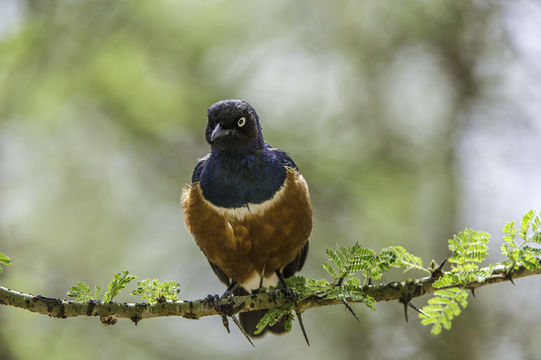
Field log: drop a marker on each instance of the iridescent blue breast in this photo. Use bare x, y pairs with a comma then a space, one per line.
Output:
236, 181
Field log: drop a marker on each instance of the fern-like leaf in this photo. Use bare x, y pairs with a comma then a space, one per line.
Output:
119, 282
443, 308
152, 290
469, 246
398, 257
344, 261
81, 292
272, 316
527, 253
525, 224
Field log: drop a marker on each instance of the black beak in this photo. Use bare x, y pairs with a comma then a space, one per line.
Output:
217, 132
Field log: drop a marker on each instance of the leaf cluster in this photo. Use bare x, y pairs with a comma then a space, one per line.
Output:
469, 248
526, 253
82, 292
344, 262
152, 290
443, 307
273, 316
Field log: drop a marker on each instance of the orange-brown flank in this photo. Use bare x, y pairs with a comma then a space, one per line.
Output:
240, 246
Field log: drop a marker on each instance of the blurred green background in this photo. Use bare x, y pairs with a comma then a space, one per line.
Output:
409, 120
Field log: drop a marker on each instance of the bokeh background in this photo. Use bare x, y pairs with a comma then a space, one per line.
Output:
409, 120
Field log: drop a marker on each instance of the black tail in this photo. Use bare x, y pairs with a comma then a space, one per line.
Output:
250, 319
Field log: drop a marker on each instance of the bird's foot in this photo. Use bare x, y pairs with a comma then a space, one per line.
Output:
288, 293
228, 309
224, 309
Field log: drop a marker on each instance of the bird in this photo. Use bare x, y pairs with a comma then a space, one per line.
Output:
248, 208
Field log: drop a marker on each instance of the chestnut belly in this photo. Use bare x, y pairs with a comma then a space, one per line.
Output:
258, 238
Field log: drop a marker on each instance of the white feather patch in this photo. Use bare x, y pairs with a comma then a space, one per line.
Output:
253, 282
240, 213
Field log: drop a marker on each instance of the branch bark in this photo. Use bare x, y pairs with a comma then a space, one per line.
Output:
109, 312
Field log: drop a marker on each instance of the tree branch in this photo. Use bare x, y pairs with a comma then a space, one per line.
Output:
110, 311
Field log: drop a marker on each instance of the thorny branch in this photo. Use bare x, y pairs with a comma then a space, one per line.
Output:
109, 312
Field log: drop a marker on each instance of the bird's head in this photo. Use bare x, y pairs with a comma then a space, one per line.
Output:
233, 125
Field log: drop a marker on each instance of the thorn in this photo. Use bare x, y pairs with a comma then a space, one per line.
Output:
417, 309
472, 291
437, 272
442, 264
234, 317
405, 309
302, 327
344, 301
225, 322
509, 276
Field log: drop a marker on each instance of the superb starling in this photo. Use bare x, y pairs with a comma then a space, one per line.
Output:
247, 207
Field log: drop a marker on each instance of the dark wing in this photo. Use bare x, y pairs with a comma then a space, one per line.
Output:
284, 157
196, 176
219, 272
198, 168
297, 263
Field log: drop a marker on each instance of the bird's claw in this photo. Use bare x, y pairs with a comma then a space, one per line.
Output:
224, 309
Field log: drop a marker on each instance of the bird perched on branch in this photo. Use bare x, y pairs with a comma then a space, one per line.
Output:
247, 207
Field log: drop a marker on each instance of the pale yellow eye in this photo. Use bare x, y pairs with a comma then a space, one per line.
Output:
241, 121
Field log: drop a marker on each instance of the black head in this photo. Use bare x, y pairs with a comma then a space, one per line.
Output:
233, 125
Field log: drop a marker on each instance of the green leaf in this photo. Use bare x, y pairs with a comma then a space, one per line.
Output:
400, 258
527, 253
510, 231
443, 308
469, 246
4, 260
119, 282
82, 292
344, 261
272, 316
152, 290
525, 224
536, 230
